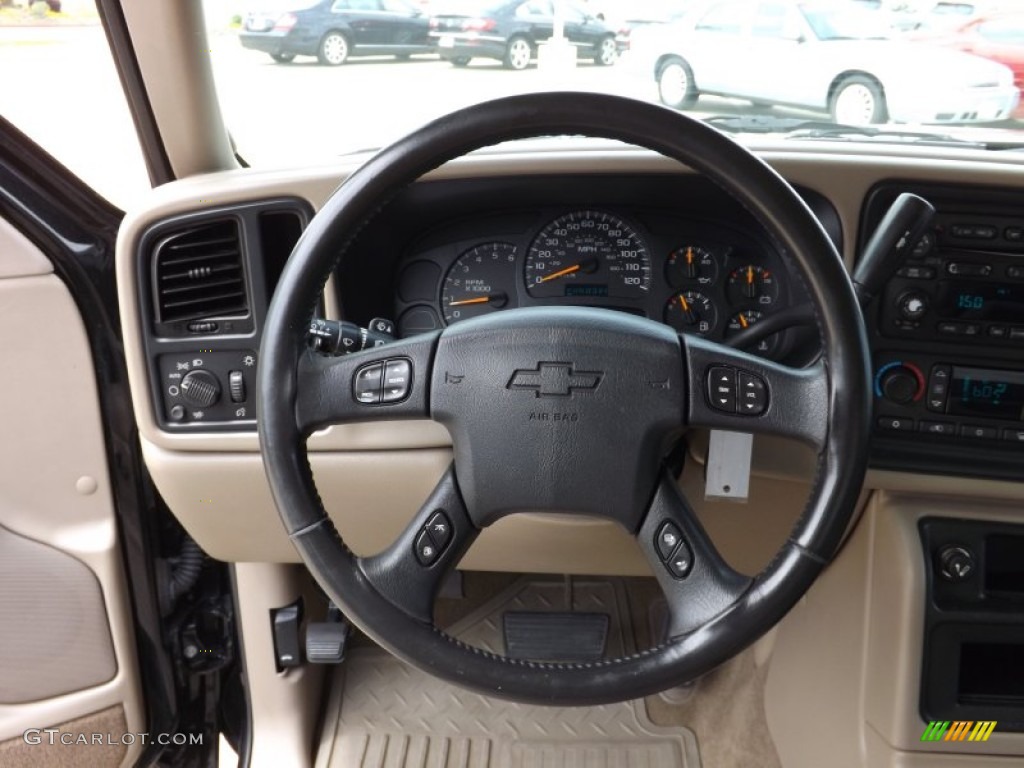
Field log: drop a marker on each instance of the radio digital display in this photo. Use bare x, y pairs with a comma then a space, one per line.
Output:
974, 300
988, 393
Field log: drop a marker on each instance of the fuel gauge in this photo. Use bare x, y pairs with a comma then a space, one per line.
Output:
751, 283
691, 264
743, 320
691, 312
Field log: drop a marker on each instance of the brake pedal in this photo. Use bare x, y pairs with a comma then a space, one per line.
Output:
326, 640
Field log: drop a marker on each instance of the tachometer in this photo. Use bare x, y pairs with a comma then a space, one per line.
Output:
481, 280
588, 254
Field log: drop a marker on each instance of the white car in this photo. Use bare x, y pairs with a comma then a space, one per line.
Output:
826, 56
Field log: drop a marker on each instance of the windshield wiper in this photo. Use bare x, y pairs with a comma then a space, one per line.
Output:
799, 128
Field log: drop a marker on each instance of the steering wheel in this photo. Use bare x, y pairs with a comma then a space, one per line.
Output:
565, 410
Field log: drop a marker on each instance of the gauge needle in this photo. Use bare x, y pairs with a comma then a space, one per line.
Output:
477, 300
686, 308
585, 266
743, 321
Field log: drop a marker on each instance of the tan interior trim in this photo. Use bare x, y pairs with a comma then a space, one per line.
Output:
285, 705
848, 656
49, 750
54, 486
183, 98
20, 257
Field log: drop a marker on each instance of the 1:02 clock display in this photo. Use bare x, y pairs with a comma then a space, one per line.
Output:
987, 393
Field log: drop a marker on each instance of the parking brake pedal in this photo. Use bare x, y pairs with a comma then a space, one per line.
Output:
326, 640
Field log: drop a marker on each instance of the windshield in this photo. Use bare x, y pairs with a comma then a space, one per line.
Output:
301, 81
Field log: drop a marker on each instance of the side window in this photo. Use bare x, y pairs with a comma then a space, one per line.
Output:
533, 9
340, 5
364, 5
725, 18
396, 6
770, 20
61, 89
1002, 32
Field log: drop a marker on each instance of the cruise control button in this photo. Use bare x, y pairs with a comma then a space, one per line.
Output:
895, 424
425, 548
667, 540
681, 562
366, 386
440, 530
753, 394
397, 378
722, 388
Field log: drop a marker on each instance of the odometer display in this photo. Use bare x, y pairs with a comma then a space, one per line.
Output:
588, 253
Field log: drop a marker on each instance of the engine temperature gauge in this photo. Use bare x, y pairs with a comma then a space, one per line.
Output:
691, 312
691, 264
743, 320
752, 284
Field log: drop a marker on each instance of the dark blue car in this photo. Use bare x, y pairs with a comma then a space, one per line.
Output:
510, 30
334, 30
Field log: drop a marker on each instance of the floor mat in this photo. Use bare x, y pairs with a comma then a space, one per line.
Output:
384, 714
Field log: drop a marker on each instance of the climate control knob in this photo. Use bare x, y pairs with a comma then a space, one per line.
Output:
899, 383
899, 386
200, 388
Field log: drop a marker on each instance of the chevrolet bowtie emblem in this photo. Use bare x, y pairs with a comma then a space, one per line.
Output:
555, 380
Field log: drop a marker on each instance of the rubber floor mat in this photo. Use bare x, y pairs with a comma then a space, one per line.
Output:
385, 714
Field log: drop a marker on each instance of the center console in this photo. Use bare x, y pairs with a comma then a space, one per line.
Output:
947, 336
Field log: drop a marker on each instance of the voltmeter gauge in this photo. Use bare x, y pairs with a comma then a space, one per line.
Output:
751, 284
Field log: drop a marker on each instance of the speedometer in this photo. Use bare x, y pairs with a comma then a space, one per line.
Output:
588, 254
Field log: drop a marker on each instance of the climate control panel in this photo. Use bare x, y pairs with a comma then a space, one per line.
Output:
930, 396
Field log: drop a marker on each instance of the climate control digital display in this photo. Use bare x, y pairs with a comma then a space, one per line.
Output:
987, 392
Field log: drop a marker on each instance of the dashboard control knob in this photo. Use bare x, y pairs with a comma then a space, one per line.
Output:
200, 388
956, 563
900, 385
913, 305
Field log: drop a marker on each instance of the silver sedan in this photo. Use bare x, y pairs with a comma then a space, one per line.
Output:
827, 56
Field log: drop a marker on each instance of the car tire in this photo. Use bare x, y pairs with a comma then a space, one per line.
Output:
676, 88
858, 100
334, 49
518, 53
607, 52
460, 61
283, 58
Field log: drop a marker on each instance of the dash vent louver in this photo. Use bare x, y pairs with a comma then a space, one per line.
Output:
199, 274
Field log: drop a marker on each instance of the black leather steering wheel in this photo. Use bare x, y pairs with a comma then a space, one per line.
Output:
615, 390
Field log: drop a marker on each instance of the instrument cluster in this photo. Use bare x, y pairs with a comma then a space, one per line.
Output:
699, 276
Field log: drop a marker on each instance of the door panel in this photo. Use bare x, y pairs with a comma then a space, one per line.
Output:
67, 650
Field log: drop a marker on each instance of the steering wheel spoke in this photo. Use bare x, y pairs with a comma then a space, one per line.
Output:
697, 581
409, 572
383, 383
734, 390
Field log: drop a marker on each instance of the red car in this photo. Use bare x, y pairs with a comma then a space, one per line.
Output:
997, 37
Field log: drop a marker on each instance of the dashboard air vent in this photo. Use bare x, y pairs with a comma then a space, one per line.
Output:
198, 273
